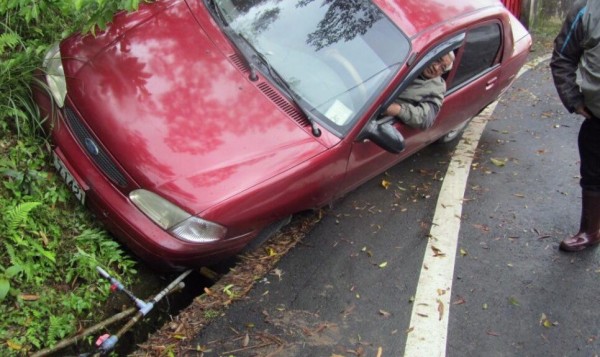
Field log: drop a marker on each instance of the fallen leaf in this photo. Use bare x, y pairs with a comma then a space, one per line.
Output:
513, 301
14, 346
440, 310
227, 290
437, 252
29, 297
485, 306
463, 252
200, 348
498, 162
44, 239
385, 184
384, 313
544, 321
383, 265
492, 333
277, 272
379, 351
459, 301
482, 227
246, 341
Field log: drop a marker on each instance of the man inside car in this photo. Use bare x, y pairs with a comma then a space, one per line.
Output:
418, 105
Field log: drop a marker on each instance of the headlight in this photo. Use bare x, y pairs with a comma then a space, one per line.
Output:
174, 220
55, 75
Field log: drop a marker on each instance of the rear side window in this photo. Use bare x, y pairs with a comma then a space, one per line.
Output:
481, 48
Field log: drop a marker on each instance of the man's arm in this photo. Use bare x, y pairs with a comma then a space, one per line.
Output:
565, 59
420, 103
420, 115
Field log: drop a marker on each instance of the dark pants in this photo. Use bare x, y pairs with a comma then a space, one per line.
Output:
589, 152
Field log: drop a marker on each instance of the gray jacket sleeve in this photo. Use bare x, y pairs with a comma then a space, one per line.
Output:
421, 102
420, 115
566, 55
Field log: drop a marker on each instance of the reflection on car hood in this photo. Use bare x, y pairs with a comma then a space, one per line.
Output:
175, 112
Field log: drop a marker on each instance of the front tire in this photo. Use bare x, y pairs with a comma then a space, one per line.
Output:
454, 133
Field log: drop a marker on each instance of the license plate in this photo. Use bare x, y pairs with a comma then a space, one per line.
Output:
69, 179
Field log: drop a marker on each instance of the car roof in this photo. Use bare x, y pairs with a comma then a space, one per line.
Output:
415, 16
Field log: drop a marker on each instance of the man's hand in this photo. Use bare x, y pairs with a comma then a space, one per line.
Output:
583, 111
393, 109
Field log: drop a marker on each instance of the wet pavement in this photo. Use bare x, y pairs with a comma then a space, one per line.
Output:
348, 289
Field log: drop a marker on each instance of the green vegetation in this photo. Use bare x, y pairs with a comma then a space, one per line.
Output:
49, 245
544, 32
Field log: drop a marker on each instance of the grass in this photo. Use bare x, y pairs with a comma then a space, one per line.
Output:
49, 244
543, 34
49, 287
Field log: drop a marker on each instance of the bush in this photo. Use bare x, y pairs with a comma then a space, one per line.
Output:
50, 246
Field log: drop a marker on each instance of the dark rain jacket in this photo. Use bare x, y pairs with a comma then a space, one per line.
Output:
577, 46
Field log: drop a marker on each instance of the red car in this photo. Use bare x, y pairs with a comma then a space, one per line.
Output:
191, 126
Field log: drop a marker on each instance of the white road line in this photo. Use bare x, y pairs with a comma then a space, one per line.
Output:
428, 329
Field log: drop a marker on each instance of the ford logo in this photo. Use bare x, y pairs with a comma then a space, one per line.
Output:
91, 147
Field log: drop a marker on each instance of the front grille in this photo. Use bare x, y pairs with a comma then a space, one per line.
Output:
100, 157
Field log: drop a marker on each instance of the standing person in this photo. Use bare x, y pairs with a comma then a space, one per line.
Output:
418, 105
577, 46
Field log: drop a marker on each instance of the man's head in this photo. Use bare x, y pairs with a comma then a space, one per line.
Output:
440, 66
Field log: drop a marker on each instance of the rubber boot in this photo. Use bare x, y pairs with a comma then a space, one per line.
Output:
589, 229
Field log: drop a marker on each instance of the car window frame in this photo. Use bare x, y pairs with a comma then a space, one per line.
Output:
461, 50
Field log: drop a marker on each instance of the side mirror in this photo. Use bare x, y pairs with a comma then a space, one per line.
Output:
385, 135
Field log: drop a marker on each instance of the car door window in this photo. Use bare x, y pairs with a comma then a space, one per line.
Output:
481, 48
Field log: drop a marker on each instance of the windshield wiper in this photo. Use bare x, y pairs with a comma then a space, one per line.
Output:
296, 99
235, 38
234, 35
300, 103
218, 11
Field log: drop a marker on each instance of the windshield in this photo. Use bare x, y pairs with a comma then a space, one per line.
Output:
334, 54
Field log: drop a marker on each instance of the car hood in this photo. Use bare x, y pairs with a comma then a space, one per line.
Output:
175, 111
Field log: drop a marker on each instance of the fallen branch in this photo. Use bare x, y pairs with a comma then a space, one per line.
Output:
80, 336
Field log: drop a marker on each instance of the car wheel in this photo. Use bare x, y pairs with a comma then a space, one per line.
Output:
454, 133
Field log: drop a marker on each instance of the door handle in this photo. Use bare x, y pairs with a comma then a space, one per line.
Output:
490, 84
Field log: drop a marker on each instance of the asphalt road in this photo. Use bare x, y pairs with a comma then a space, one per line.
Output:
383, 274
